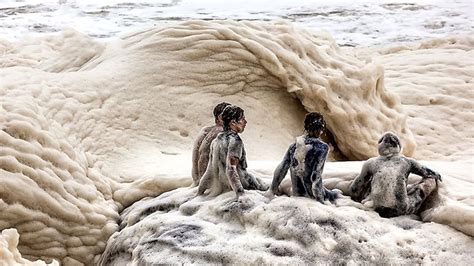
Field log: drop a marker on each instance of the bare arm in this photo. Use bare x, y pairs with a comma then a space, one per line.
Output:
234, 154
361, 184
282, 169
423, 171
233, 176
195, 157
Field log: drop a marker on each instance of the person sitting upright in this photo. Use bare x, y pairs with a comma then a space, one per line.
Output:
202, 144
227, 168
305, 158
384, 180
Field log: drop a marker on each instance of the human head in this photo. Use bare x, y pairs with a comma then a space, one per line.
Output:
218, 112
389, 144
233, 117
314, 123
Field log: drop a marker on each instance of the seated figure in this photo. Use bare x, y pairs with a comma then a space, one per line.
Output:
305, 158
227, 167
384, 180
202, 144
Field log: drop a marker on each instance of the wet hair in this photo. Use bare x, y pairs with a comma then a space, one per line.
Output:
231, 113
219, 108
314, 122
391, 139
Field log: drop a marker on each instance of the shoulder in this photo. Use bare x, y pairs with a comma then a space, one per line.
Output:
292, 148
232, 137
324, 145
407, 160
372, 161
321, 144
206, 130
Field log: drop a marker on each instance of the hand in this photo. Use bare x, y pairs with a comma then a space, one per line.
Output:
239, 194
437, 177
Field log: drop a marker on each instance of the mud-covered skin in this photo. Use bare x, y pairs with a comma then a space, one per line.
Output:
201, 150
217, 178
305, 158
384, 179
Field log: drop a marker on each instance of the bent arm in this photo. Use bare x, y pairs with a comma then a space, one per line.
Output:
423, 171
281, 170
195, 157
233, 176
361, 184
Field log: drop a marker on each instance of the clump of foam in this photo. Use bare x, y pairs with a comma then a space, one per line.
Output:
67, 51
62, 207
9, 254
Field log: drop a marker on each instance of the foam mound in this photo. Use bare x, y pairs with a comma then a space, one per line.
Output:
246, 62
9, 254
178, 227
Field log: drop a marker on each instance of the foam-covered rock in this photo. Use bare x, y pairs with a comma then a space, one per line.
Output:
178, 227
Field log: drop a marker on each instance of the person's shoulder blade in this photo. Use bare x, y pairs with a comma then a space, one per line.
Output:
320, 144
206, 129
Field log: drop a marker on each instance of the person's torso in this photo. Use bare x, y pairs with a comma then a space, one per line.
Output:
225, 142
388, 186
308, 153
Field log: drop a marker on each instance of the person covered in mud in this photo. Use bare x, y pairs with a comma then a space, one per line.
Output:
383, 180
202, 144
305, 158
227, 167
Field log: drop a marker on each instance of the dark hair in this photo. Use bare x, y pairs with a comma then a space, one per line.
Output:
219, 108
231, 113
314, 122
391, 139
